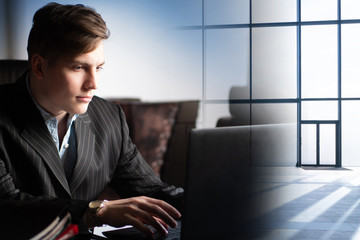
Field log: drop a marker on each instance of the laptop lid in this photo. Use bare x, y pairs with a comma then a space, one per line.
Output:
216, 189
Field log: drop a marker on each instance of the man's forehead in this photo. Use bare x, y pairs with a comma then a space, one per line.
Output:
94, 57
85, 59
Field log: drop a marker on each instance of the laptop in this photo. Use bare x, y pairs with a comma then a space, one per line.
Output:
216, 183
216, 187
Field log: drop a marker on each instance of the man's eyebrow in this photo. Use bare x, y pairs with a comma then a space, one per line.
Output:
85, 63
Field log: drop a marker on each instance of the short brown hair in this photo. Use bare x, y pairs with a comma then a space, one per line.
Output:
65, 29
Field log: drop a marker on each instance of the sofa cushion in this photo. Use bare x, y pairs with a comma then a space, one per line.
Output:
151, 126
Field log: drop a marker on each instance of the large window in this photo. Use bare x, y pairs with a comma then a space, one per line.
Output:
286, 61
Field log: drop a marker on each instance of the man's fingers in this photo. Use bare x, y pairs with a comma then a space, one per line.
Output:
145, 217
164, 226
136, 223
173, 212
159, 212
162, 223
139, 211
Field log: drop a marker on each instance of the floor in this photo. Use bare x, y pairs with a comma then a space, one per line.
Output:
306, 203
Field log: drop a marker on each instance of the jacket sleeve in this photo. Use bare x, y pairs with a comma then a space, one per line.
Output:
13, 197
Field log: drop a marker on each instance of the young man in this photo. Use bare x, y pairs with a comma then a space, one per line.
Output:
60, 142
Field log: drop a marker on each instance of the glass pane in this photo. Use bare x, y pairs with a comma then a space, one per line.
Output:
308, 144
350, 133
274, 69
227, 11
215, 113
328, 144
274, 113
319, 110
319, 61
239, 115
273, 11
161, 12
314, 10
350, 9
227, 62
350, 60
178, 12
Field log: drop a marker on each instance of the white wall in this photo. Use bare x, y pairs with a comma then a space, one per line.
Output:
3, 40
145, 56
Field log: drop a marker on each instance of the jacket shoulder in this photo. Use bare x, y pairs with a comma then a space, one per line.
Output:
99, 103
103, 110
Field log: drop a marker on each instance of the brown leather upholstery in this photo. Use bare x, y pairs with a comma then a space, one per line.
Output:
160, 130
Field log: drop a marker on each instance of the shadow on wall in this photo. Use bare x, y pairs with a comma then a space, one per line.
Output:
274, 140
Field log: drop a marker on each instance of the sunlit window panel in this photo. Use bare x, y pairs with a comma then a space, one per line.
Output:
350, 60
239, 114
308, 144
350, 131
319, 59
327, 144
181, 12
350, 9
274, 113
227, 11
264, 11
319, 110
227, 63
274, 69
214, 113
317, 10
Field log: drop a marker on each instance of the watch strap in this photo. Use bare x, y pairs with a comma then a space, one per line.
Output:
94, 208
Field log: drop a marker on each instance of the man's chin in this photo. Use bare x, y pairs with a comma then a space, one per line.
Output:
81, 109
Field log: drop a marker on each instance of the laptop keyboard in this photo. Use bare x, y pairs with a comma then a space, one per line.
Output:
174, 234
133, 233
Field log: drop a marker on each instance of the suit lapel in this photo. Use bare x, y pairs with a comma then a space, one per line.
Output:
42, 143
35, 132
85, 150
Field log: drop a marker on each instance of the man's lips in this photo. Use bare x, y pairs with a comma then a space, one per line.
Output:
85, 99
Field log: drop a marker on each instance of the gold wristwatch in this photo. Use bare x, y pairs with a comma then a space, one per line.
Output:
94, 207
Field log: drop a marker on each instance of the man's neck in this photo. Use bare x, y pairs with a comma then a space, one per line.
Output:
62, 127
39, 100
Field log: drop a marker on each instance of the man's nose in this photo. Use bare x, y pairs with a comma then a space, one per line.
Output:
91, 81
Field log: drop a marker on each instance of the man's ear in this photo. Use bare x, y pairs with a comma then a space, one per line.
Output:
38, 65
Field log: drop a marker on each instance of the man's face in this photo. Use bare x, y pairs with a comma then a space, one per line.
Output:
68, 85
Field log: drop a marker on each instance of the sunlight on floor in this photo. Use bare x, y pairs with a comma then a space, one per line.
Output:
292, 203
278, 197
319, 207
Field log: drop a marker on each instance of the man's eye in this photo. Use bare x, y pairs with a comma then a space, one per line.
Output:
77, 68
99, 68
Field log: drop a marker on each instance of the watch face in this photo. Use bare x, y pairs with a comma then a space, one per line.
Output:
95, 204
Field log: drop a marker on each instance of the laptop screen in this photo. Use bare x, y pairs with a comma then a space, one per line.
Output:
216, 189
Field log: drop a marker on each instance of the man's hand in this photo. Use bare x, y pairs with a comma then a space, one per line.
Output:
138, 211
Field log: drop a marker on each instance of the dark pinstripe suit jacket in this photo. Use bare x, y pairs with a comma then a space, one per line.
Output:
30, 166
